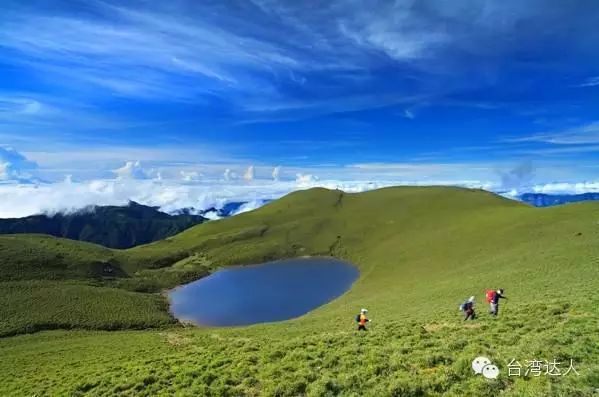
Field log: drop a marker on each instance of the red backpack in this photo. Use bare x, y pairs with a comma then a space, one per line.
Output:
490, 295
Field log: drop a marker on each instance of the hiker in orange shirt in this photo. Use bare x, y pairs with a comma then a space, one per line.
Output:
361, 319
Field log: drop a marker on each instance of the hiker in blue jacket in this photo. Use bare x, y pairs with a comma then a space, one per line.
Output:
495, 302
468, 309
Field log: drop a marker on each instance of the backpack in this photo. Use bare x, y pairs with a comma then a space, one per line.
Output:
490, 295
358, 318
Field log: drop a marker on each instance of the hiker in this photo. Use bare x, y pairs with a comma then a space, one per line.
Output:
361, 319
493, 299
468, 309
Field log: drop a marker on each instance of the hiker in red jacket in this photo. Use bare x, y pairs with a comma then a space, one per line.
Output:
493, 299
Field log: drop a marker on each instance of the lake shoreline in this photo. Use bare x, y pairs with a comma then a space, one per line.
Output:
182, 309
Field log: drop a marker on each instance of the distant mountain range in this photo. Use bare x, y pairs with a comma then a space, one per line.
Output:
548, 200
110, 226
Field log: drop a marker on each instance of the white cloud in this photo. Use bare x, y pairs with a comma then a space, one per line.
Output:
556, 188
305, 179
250, 206
131, 170
190, 176
228, 175
567, 188
14, 166
22, 200
17, 105
408, 114
276, 173
5, 171
249, 173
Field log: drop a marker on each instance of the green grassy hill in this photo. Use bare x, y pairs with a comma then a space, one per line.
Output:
420, 251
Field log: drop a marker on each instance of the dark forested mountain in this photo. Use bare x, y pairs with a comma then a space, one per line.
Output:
111, 226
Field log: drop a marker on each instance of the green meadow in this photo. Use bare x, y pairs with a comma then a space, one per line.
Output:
68, 328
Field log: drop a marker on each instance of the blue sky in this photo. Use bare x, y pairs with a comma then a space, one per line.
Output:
503, 93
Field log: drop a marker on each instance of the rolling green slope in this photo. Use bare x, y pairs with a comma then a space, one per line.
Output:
420, 251
42, 257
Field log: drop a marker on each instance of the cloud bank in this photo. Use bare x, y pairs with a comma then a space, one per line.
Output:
21, 194
20, 199
26, 199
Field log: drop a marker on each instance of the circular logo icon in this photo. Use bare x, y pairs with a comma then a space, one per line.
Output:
490, 371
479, 363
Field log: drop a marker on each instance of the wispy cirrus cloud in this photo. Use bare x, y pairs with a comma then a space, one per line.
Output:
561, 150
183, 51
156, 51
479, 173
404, 36
264, 62
59, 118
590, 82
579, 135
15, 105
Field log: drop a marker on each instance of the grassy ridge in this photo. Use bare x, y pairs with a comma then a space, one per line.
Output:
38, 305
420, 251
41, 257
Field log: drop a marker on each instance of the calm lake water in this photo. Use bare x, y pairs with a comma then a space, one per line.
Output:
272, 291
